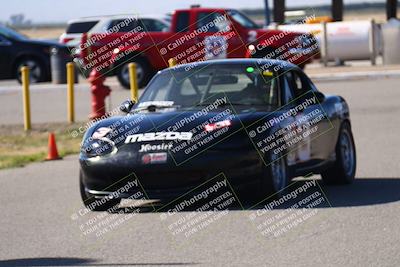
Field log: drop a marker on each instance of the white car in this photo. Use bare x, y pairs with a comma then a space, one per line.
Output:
76, 27
73, 34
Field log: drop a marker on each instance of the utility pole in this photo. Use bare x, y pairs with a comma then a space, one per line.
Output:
337, 10
279, 11
267, 14
391, 9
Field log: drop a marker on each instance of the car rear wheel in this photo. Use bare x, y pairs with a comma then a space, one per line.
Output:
143, 73
344, 168
95, 204
36, 70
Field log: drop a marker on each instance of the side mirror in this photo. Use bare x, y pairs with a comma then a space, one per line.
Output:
126, 106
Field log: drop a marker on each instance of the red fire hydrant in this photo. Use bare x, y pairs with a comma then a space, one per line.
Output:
96, 78
99, 93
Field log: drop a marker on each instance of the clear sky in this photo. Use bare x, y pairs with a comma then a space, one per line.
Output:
63, 10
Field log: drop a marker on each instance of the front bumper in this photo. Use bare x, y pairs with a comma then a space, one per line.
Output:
242, 168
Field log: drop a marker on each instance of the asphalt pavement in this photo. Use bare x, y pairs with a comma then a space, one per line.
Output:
359, 227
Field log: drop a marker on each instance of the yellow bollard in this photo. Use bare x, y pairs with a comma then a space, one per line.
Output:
26, 98
133, 82
70, 92
172, 62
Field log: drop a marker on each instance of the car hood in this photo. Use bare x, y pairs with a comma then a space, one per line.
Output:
47, 43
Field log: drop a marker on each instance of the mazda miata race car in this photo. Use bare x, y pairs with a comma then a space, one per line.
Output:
259, 122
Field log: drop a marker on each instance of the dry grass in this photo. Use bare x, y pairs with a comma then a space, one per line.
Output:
43, 33
18, 147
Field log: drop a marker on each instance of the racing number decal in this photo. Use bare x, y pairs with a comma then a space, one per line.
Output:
252, 36
215, 46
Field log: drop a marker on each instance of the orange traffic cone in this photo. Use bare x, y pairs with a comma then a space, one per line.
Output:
53, 153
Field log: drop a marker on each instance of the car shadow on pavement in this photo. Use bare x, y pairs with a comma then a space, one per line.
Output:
363, 192
78, 262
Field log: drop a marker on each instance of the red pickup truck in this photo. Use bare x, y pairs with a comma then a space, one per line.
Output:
196, 34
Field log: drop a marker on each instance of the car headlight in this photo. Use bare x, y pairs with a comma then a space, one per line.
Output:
98, 147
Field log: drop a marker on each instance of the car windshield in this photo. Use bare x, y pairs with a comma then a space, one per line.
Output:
242, 19
81, 27
130, 24
9, 33
244, 85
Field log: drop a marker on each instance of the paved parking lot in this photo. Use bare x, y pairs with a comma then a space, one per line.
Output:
359, 228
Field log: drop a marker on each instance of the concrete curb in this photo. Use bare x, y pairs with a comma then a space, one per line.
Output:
354, 75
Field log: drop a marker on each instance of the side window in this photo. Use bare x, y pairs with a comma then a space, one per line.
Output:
182, 21
81, 27
152, 25
298, 83
123, 25
212, 22
287, 91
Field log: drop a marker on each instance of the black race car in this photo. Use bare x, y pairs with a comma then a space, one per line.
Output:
259, 122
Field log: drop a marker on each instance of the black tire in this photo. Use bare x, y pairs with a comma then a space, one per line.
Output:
93, 203
143, 70
37, 72
271, 182
344, 169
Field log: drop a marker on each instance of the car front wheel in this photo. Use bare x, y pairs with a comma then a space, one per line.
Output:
36, 70
143, 73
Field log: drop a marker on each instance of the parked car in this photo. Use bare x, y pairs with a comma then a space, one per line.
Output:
260, 122
17, 50
77, 27
196, 34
